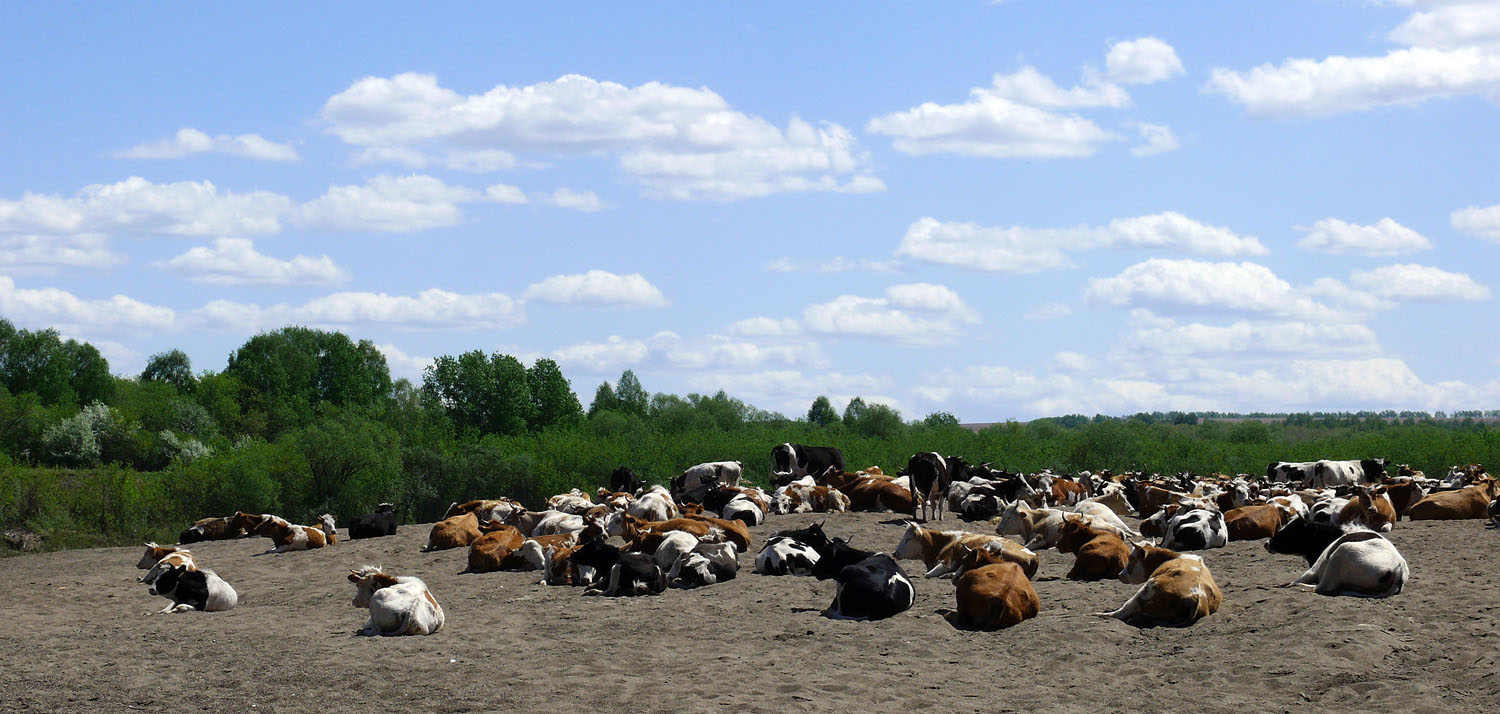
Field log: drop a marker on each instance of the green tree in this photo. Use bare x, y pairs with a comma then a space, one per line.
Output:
486, 395
291, 373
940, 420
877, 420
353, 463
854, 411
171, 367
822, 413
630, 395
553, 397
604, 400
58, 372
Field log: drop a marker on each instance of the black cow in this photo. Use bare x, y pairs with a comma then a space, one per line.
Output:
836, 557
623, 480
374, 525
930, 476
873, 589
1305, 538
632, 574
812, 536
793, 461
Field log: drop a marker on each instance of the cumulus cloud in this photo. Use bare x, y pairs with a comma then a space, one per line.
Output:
990, 125
403, 364
429, 309
1253, 338
585, 201
1028, 86
1420, 282
679, 142
1020, 249
189, 141
21, 254
668, 350
1072, 361
234, 261
1192, 285
1142, 61
597, 288
1477, 221
396, 204
1454, 50
917, 313
1155, 139
52, 307
138, 206
765, 326
1386, 237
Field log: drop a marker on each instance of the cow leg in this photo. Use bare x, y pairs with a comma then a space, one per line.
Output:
1130, 609
940, 570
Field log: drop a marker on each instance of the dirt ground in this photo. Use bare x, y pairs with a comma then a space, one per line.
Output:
80, 634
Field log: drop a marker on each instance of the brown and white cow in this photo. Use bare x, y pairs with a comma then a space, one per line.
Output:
1178, 589
941, 551
1370, 509
486, 510
210, 529
1469, 502
1099, 553
796, 498
994, 597
497, 550
1404, 492
1253, 522
455, 532
285, 536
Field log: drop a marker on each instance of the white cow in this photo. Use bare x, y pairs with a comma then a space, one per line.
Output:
399, 605
1103, 512
693, 483
189, 590
653, 505
1196, 529
1362, 563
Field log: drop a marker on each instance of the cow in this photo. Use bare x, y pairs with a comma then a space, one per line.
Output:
666, 549
797, 498
785, 555
285, 536
379, 524
486, 510
628, 575
1196, 529
655, 505
623, 480
1403, 493
330, 529
1253, 522
941, 551
994, 597
1154, 498
868, 493
1301, 536
1327, 510
1469, 502
1177, 590
1291, 471
399, 605
872, 589
1328, 474
1111, 496
1038, 527
930, 477
496, 550
734, 531
707, 564
1370, 509
1103, 513
1099, 554
210, 529
189, 590
154, 553
691, 484
793, 461
574, 501
1361, 563
837, 556
171, 557
456, 532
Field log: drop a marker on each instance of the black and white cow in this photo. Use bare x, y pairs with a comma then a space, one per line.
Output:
1197, 529
784, 555
793, 461
1361, 563
623, 480
838, 556
692, 484
1331, 474
374, 525
873, 589
707, 564
1301, 536
930, 477
1291, 471
189, 590
632, 574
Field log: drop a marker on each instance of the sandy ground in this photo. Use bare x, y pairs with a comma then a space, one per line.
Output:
80, 634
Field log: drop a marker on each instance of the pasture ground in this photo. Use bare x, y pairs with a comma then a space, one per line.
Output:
81, 635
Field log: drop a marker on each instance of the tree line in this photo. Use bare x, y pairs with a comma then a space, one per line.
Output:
304, 421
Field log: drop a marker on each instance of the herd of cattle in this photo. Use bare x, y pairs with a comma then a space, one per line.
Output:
692, 532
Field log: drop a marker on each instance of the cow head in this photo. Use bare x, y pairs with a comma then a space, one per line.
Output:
165, 583
366, 581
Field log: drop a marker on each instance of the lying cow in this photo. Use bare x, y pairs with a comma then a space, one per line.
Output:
1361, 563
399, 605
836, 557
623, 574
1469, 502
195, 589
379, 524
1253, 522
1369, 509
785, 555
941, 551
1098, 554
497, 550
1178, 590
210, 529
623, 480
872, 589
691, 484
793, 461
1197, 529
1302, 536
154, 554
285, 536
455, 532
994, 597
707, 564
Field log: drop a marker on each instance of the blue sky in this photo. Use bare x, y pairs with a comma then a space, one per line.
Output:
1004, 210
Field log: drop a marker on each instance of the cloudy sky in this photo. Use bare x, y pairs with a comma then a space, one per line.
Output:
1005, 210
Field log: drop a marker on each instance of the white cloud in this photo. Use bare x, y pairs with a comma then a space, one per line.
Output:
992, 126
597, 288
585, 201
1048, 311
1072, 361
1477, 221
837, 264
679, 142
138, 206
396, 204
1451, 25
429, 309
917, 313
1020, 249
52, 307
615, 353
403, 364
190, 141
21, 254
1142, 61
1386, 237
781, 265
1194, 285
481, 161
765, 327
1252, 338
668, 350
1155, 139
1028, 86
1420, 282
234, 261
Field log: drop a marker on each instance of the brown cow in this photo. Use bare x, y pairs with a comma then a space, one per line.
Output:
1373, 510
1099, 554
941, 551
868, 493
1403, 492
994, 597
1469, 502
455, 532
210, 529
1178, 589
496, 550
735, 531
1253, 522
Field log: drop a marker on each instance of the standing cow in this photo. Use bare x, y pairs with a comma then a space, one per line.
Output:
793, 461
